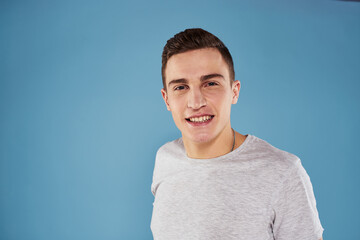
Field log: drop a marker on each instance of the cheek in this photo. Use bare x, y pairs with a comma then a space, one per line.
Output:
222, 100
176, 107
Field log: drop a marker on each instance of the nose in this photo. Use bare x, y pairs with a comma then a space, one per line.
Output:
196, 99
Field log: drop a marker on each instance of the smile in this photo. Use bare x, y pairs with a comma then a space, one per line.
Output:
200, 119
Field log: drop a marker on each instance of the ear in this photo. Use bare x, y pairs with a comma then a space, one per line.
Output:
165, 97
235, 90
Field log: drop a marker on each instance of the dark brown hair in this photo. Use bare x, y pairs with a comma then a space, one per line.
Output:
192, 39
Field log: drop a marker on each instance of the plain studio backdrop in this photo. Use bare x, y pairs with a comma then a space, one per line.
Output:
81, 114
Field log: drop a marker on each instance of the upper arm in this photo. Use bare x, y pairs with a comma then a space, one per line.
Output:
295, 208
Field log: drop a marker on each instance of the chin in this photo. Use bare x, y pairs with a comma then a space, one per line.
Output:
199, 138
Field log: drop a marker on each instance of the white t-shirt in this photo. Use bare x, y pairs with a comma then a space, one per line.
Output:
255, 192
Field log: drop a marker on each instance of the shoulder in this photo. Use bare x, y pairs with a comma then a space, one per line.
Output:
173, 148
168, 156
166, 161
276, 160
263, 148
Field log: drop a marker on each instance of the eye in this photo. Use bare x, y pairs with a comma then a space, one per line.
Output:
179, 88
210, 84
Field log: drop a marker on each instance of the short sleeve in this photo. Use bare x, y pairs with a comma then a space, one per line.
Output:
296, 216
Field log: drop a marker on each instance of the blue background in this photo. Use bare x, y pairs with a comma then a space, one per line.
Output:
81, 114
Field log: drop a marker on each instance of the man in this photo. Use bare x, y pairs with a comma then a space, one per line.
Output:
213, 182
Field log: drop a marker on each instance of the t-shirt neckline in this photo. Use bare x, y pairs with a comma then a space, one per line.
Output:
229, 155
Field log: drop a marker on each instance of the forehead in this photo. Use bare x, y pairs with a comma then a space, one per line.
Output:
196, 63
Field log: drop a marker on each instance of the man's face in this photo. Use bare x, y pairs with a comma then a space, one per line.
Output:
199, 94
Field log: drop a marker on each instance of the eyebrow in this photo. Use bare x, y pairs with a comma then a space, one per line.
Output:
210, 76
202, 78
175, 81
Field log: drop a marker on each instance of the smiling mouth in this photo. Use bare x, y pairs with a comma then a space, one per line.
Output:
200, 119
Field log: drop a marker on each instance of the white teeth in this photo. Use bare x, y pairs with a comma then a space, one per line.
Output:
200, 119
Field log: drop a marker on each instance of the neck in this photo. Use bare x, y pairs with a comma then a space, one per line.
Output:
220, 145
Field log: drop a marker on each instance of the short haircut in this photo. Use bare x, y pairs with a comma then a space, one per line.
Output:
192, 39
